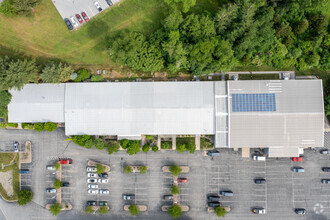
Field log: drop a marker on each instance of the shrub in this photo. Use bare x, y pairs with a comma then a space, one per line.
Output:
50, 126
154, 148
89, 143
39, 127
55, 209
133, 147
99, 144
128, 169
134, 209
113, 147
5, 98
57, 184
7, 8
24, 197
97, 78
220, 211
149, 137
81, 139
3, 125
143, 169
100, 168
175, 190
57, 165
13, 125
180, 147
28, 126
83, 74
166, 145
174, 211
191, 147
89, 210
145, 148
124, 143
175, 170
103, 210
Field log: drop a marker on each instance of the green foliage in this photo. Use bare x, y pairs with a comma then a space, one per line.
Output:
183, 5
103, 210
13, 125
97, 78
154, 148
128, 169
89, 143
89, 210
24, 7
83, 74
55, 209
24, 197
56, 73
166, 145
81, 139
99, 168
191, 147
180, 147
149, 137
133, 147
3, 125
146, 148
5, 98
57, 184
124, 143
220, 211
50, 126
113, 147
301, 26
175, 211
134, 210
143, 169
28, 126
175, 190
175, 170
6, 8
99, 144
39, 127
57, 165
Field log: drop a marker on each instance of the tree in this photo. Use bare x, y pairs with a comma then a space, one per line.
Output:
220, 211
57, 184
128, 169
55, 209
191, 147
5, 98
24, 7
97, 78
143, 169
175, 170
24, 197
175, 190
57, 165
145, 148
39, 127
56, 73
103, 210
154, 148
183, 5
81, 139
83, 74
7, 8
301, 26
149, 137
134, 210
124, 143
89, 210
49, 126
175, 211
180, 147
133, 147
112, 147
99, 144
89, 143
100, 168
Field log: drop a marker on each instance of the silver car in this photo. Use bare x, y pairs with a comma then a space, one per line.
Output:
51, 190
16, 144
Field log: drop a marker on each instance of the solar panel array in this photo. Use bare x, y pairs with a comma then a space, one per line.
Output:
261, 102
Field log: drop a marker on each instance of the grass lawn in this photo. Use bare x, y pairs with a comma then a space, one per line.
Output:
5, 158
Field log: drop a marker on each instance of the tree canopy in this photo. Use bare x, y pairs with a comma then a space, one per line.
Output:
55, 209
5, 98
134, 210
50, 126
56, 73
220, 211
24, 197
175, 211
175, 170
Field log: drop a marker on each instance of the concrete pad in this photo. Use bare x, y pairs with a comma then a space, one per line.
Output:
245, 152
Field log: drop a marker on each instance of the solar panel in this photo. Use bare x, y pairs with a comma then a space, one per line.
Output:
261, 102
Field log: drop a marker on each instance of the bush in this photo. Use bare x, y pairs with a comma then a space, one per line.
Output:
89, 210
174, 211
175, 190
149, 137
133, 147
134, 209
13, 125
143, 169
7, 8
100, 168
128, 169
124, 143
28, 126
83, 74
55, 209
154, 148
57, 184
166, 145
99, 144
103, 210
81, 139
191, 147
113, 147
3, 125
39, 127
220, 211
57, 165
97, 78
50, 126
180, 147
146, 148
175, 170
5, 98
89, 143
24, 197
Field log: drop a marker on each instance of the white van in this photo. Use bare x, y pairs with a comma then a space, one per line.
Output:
262, 158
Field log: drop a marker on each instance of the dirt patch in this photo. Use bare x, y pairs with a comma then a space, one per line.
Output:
6, 180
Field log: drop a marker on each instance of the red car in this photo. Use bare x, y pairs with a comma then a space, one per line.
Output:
66, 161
79, 18
182, 180
83, 14
297, 159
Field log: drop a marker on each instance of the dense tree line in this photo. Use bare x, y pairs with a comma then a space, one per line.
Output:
281, 34
18, 7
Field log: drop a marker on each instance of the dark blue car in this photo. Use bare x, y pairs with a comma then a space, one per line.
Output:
23, 171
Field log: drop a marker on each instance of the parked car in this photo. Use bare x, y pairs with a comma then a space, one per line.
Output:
98, 7
24, 171
128, 196
103, 175
50, 190
65, 184
168, 197
80, 20
182, 180
73, 22
68, 23
261, 158
326, 169
213, 204
259, 181
94, 175
93, 191
109, 2
259, 211
103, 180
298, 170
103, 203
93, 186
91, 180
325, 151
300, 211
212, 153
226, 193
325, 181
297, 159
91, 169
91, 203
104, 191
66, 161
16, 144
50, 167
213, 198
85, 17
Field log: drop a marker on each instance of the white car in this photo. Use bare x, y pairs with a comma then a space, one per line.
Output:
91, 180
103, 180
93, 191
93, 186
104, 191
94, 175
91, 169
98, 7
73, 22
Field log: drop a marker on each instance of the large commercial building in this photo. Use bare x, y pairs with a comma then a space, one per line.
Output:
281, 115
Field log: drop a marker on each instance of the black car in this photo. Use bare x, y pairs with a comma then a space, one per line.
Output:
300, 211
103, 175
213, 198
109, 2
65, 184
259, 181
168, 197
213, 204
325, 181
91, 203
326, 169
103, 203
68, 23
